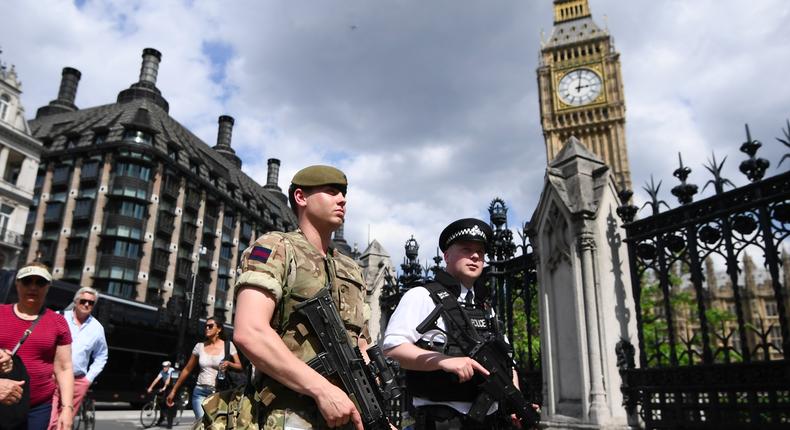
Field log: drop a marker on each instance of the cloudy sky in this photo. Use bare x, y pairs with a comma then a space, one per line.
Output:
430, 107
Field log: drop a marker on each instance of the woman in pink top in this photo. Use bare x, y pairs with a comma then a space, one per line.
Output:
46, 351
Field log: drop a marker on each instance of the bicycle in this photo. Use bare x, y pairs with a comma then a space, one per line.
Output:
86, 415
149, 414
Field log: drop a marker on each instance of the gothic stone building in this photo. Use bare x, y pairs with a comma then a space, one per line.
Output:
130, 202
581, 88
19, 158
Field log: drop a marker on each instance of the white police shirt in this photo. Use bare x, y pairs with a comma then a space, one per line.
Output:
414, 307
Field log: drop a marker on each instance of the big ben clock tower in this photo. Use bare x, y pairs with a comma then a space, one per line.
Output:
581, 88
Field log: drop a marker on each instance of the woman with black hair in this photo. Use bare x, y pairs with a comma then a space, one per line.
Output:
209, 355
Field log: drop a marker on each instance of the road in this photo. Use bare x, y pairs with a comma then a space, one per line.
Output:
116, 417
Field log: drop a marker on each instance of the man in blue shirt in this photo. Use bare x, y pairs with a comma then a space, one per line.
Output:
88, 349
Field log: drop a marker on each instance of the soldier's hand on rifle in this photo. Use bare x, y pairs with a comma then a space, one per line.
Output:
336, 408
463, 367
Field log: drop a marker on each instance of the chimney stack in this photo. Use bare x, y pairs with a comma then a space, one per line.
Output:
273, 175
146, 88
224, 134
150, 67
70, 79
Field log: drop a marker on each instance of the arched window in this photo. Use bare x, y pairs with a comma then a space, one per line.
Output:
5, 105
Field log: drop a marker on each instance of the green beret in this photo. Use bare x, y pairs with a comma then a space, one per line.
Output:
313, 176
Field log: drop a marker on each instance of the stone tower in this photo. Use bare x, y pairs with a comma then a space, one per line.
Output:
581, 88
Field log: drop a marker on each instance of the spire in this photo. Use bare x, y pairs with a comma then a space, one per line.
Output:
568, 10
224, 134
146, 86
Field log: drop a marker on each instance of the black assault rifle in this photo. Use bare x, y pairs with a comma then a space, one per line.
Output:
340, 360
492, 353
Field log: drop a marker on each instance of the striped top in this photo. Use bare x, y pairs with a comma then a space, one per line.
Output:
38, 351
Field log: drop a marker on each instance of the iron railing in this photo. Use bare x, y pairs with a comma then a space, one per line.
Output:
712, 323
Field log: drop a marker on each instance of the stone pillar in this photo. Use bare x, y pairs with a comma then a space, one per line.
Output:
68, 217
149, 236
3, 160
212, 288
170, 276
234, 259
196, 255
375, 263
38, 226
92, 248
586, 304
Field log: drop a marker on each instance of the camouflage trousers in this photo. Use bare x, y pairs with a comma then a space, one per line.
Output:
288, 419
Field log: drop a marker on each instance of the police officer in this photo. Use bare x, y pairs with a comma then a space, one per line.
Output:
439, 377
279, 271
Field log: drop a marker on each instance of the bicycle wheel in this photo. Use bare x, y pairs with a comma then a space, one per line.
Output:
148, 414
88, 414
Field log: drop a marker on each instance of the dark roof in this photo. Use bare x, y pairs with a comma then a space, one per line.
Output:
575, 31
59, 132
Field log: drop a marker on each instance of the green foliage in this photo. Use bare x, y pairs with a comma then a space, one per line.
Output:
521, 342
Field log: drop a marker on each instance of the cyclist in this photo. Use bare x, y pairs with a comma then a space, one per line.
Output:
165, 375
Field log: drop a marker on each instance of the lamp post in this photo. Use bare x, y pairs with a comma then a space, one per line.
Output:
186, 317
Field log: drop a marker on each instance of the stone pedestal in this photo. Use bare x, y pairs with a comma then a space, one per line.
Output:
586, 303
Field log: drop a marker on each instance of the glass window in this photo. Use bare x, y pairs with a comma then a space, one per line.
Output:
225, 252
137, 136
123, 231
88, 192
100, 138
770, 309
90, 170
5, 105
53, 211
172, 152
83, 208
126, 249
61, 174
131, 209
120, 289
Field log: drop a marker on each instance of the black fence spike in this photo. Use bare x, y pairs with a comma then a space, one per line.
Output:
785, 141
652, 191
685, 191
754, 168
718, 180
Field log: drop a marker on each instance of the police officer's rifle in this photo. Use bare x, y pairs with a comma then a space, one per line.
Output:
491, 352
344, 362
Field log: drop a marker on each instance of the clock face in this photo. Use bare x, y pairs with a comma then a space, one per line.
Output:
579, 87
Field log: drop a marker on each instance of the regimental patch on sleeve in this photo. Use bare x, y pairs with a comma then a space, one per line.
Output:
260, 253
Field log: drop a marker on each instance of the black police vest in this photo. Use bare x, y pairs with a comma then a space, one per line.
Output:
439, 385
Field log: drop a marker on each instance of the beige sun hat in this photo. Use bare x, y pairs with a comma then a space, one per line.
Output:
34, 271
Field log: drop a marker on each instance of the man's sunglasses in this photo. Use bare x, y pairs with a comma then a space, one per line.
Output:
87, 302
209, 325
40, 282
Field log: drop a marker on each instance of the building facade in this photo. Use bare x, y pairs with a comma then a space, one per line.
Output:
581, 88
129, 201
19, 160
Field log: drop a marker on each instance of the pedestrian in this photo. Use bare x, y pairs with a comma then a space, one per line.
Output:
279, 271
45, 352
209, 356
88, 349
441, 379
164, 376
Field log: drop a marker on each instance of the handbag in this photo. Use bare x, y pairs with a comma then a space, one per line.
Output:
15, 416
231, 378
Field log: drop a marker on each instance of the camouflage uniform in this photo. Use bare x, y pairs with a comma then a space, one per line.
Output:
293, 270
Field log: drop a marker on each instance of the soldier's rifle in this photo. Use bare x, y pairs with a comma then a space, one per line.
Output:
492, 353
342, 361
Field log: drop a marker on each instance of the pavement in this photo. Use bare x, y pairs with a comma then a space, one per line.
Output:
130, 419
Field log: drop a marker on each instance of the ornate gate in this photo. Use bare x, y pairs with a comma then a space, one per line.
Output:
711, 303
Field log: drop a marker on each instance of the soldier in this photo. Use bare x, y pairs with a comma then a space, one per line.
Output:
279, 271
441, 379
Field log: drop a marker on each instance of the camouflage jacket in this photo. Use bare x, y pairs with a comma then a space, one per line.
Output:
293, 270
